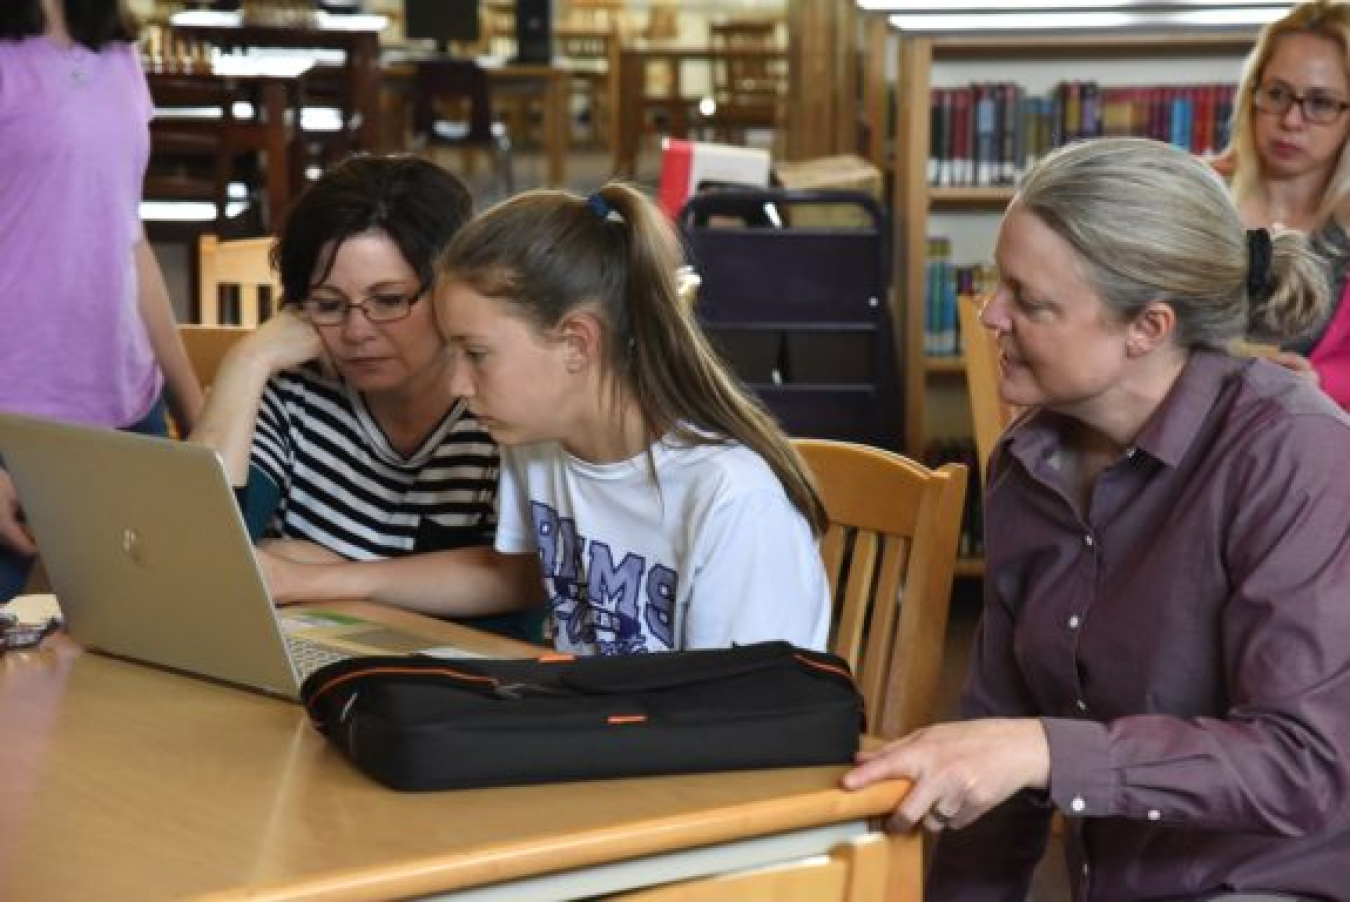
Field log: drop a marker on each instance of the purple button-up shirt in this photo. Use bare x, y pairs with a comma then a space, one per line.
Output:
1186, 644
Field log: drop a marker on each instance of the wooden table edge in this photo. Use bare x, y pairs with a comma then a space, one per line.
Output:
621, 841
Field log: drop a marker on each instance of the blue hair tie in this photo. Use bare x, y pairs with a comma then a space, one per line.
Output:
599, 206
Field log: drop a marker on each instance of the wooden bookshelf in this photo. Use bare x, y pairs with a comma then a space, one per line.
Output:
1073, 56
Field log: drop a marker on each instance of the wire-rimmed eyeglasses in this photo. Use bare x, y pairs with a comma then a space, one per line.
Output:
325, 309
1276, 97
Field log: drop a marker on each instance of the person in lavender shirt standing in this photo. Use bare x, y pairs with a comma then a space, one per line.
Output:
88, 331
1164, 651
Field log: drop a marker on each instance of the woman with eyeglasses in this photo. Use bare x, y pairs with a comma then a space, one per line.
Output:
355, 464
1163, 654
1290, 162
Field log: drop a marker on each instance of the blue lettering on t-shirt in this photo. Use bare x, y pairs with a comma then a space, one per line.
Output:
619, 604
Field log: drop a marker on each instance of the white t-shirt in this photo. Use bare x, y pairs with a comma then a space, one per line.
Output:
710, 554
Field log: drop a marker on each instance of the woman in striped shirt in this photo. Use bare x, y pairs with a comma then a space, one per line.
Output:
361, 472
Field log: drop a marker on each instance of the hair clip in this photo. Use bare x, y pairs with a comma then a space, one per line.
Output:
599, 206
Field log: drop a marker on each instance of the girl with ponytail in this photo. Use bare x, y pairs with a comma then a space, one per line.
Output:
664, 506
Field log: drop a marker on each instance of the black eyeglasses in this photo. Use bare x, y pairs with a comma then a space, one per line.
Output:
385, 307
1276, 97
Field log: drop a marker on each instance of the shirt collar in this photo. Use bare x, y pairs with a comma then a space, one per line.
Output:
1166, 436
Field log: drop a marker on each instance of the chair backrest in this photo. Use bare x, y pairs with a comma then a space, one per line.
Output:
446, 80
890, 553
990, 413
207, 346
230, 270
852, 872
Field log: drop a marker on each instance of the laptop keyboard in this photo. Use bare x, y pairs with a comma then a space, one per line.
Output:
308, 655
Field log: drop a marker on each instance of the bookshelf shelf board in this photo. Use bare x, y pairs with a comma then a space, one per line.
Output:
945, 366
1117, 45
992, 198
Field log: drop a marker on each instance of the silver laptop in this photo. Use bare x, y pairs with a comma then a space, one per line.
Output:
150, 560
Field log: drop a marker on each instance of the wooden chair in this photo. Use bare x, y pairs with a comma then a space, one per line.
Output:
890, 552
990, 412
587, 51
852, 872
439, 85
207, 346
235, 282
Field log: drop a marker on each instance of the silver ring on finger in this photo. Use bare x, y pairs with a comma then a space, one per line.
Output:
941, 818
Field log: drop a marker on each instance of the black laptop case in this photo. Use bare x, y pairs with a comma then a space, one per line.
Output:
418, 723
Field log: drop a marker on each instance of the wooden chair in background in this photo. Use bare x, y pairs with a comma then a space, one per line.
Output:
235, 282
890, 554
453, 107
853, 872
207, 346
589, 53
990, 413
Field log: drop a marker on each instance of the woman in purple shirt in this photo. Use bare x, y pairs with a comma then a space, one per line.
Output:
1164, 653
88, 331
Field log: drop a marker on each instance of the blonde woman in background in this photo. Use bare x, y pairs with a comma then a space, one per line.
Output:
1289, 162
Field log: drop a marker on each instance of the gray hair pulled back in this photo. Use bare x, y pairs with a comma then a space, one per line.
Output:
1151, 222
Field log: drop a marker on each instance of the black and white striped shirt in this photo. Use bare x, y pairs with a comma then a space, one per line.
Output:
343, 486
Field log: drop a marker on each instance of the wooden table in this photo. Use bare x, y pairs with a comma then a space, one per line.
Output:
119, 781
357, 36
634, 102
275, 87
552, 80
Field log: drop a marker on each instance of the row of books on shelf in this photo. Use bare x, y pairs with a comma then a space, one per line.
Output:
962, 451
990, 133
944, 281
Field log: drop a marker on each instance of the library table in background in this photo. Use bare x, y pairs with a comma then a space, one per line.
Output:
275, 88
120, 781
357, 36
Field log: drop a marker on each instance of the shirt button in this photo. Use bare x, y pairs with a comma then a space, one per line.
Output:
1087, 540
1074, 622
1082, 705
1077, 806
1129, 452
1154, 814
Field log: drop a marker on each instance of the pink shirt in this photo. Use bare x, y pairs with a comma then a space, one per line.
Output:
1331, 357
74, 143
